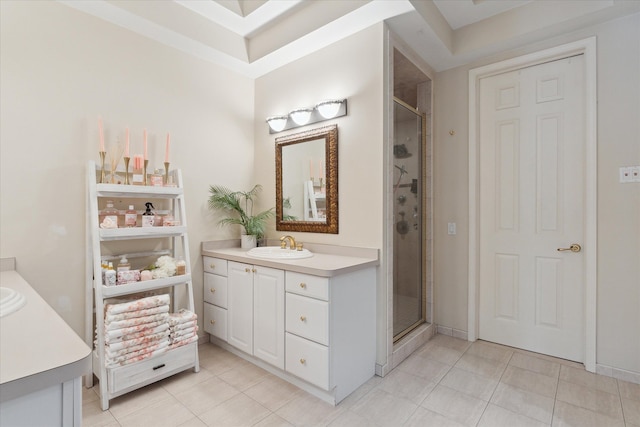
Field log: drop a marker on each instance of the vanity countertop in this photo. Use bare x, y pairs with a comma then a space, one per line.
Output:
37, 348
327, 260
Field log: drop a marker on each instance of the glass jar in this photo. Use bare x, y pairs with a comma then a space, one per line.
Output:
108, 216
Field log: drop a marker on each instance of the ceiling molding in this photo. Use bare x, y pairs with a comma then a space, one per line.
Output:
254, 37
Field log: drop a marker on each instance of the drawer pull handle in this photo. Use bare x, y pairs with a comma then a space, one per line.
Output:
253, 270
303, 285
158, 367
303, 361
303, 318
212, 265
247, 270
212, 290
213, 322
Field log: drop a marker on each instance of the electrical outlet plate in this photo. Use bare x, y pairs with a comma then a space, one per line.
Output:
629, 174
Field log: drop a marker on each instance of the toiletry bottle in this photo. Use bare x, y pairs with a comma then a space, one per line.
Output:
103, 269
110, 215
130, 217
124, 264
156, 178
181, 266
110, 276
148, 216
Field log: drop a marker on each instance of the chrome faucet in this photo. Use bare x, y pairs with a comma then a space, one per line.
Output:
285, 239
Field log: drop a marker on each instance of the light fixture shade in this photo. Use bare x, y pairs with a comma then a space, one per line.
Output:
301, 116
277, 123
329, 108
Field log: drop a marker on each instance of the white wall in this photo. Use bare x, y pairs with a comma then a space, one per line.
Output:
60, 70
351, 68
618, 62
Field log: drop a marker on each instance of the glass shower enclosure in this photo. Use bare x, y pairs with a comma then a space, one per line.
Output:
409, 238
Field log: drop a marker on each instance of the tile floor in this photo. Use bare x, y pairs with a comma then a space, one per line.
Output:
447, 382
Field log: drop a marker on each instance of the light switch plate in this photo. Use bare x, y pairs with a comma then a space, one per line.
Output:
451, 228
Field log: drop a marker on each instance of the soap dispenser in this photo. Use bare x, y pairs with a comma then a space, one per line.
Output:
124, 264
148, 216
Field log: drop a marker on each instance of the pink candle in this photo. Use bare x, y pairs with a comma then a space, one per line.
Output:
101, 134
126, 145
166, 154
321, 170
145, 144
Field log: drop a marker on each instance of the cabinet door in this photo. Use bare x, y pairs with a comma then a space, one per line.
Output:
240, 306
268, 312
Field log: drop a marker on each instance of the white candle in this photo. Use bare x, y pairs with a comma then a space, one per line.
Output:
311, 169
101, 134
126, 145
145, 144
166, 154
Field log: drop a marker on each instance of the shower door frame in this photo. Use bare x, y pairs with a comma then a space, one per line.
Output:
422, 187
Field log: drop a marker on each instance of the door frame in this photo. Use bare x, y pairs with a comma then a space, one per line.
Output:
586, 47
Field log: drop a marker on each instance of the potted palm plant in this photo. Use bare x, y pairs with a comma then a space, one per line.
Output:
240, 204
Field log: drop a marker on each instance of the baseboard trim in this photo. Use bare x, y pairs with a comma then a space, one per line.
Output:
452, 332
617, 373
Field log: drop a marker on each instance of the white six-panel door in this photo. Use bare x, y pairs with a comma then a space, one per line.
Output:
532, 174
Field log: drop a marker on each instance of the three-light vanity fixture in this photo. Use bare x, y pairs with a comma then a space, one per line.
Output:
323, 110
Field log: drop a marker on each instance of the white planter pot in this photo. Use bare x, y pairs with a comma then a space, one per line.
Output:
247, 241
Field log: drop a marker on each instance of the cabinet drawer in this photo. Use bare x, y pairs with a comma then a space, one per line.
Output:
304, 284
307, 360
215, 321
215, 265
157, 367
215, 289
308, 318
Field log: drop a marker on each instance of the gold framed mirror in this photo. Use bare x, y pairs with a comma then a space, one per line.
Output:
307, 181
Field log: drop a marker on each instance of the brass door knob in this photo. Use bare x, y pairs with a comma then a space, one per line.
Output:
573, 248
303, 361
213, 322
303, 285
212, 290
303, 318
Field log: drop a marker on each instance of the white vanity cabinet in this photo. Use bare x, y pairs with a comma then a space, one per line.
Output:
256, 311
215, 297
330, 329
312, 321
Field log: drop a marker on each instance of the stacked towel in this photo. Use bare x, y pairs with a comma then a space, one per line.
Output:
136, 330
183, 328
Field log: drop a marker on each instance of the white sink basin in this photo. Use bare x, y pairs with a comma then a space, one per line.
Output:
275, 252
10, 301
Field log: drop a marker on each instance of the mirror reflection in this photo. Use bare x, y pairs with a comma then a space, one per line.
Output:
306, 181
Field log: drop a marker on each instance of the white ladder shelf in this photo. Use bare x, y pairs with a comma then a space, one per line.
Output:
123, 379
